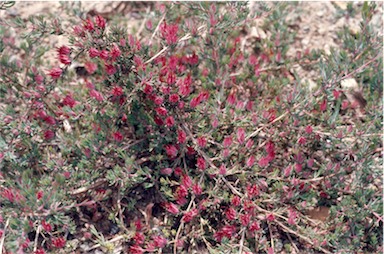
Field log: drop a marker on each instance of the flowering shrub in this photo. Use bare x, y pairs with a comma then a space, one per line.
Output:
183, 140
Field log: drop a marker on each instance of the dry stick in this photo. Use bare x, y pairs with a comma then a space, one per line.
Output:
293, 243
186, 37
181, 226
270, 235
3, 236
242, 240
157, 28
36, 238
301, 236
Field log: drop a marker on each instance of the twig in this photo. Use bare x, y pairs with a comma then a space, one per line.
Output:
293, 243
3, 236
242, 240
180, 227
270, 235
157, 28
36, 238
301, 236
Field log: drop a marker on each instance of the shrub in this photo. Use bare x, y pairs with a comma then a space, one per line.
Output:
181, 140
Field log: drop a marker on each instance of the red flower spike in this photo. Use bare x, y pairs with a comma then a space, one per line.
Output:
55, 72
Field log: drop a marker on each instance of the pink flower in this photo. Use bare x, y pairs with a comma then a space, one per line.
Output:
39, 251
39, 194
236, 201
336, 93
227, 142
308, 129
231, 99
100, 22
292, 215
196, 189
323, 105
50, 120
64, 59
173, 98
104, 54
95, 94
158, 100
166, 171
48, 134
91, 67
263, 162
255, 226
159, 241
270, 217
110, 69
170, 121
69, 101
186, 181
172, 208
287, 171
230, 213
222, 169
93, 53
252, 190
139, 238
188, 216
201, 141
148, 89
245, 219
117, 136
64, 50
302, 141
250, 161
135, 249
46, 226
115, 52
55, 72
88, 25
240, 135
181, 136
58, 242
195, 101
117, 91
201, 164
161, 111
171, 151
169, 32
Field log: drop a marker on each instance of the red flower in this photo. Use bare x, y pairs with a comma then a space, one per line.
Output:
227, 142
250, 161
48, 134
169, 32
302, 141
336, 93
323, 105
118, 136
173, 98
202, 142
91, 67
46, 226
69, 101
115, 52
172, 208
148, 89
159, 241
88, 25
104, 54
186, 181
188, 216
39, 251
308, 129
222, 169
166, 171
252, 190
135, 249
254, 226
263, 162
231, 99
245, 219
64, 59
240, 135
196, 189
270, 217
110, 69
55, 72
201, 164
139, 238
236, 201
39, 194
117, 91
171, 151
64, 50
93, 53
50, 120
161, 111
95, 94
58, 242
100, 22
181, 136
158, 100
230, 213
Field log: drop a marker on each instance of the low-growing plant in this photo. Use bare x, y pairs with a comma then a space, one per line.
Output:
177, 139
